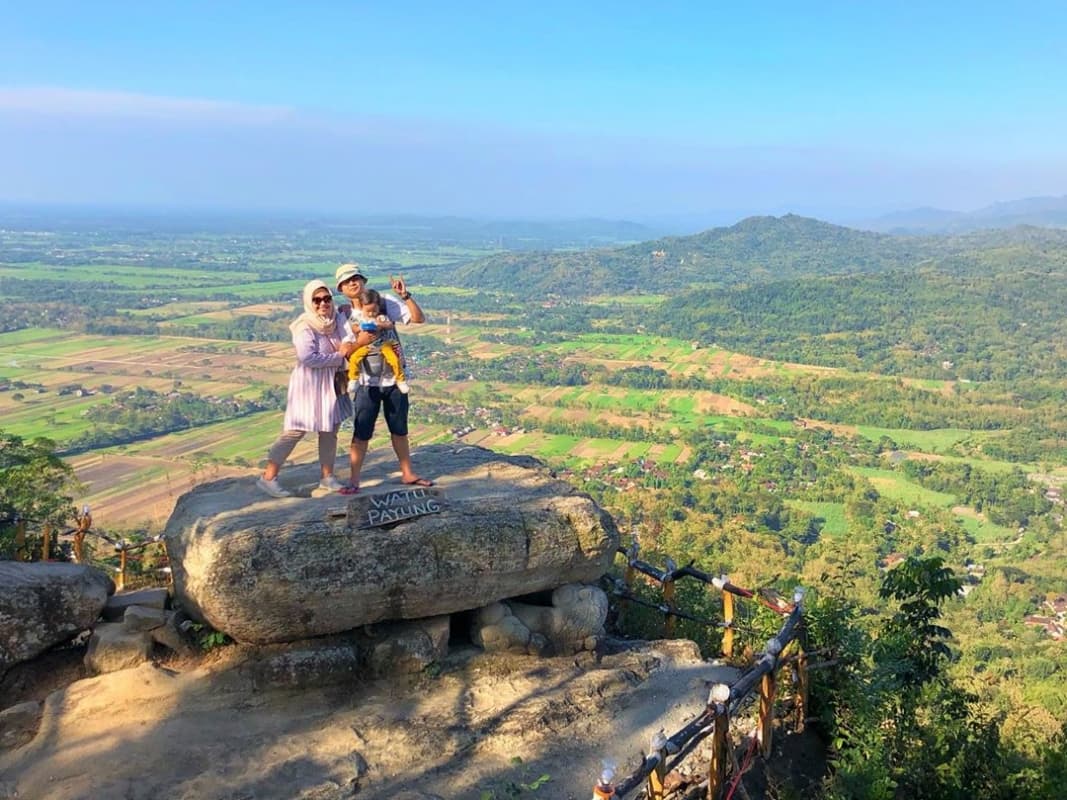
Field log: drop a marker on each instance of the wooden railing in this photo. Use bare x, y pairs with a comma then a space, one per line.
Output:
782, 651
82, 528
668, 576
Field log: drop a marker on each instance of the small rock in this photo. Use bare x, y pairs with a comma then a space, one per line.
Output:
138, 619
173, 635
112, 648
149, 598
18, 724
409, 647
310, 664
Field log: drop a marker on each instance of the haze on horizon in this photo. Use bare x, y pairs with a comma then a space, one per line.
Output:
477, 109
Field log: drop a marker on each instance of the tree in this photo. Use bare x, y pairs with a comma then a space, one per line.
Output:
34, 486
912, 647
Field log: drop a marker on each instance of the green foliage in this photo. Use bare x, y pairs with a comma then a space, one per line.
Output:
946, 347
35, 486
209, 639
899, 727
912, 648
524, 785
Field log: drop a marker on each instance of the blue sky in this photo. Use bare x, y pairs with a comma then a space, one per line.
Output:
520, 109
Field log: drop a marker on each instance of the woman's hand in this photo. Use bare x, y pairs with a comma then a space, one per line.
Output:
346, 348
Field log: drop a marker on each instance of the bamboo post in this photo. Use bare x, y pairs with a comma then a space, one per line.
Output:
728, 618
46, 543
720, 741
766, 712
20, 541
800, 678
657, 777
628, 580
668, 601
85, 521
122, 569
166, 566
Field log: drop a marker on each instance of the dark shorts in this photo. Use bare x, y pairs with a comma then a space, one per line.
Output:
370, 400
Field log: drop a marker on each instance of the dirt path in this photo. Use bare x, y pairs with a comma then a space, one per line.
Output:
206, 734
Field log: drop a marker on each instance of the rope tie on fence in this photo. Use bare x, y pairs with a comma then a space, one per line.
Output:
750, 754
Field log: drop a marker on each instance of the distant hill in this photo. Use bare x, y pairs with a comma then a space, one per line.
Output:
757, 250
1038, 211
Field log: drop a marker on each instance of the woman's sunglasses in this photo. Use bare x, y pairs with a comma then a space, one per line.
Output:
320, 300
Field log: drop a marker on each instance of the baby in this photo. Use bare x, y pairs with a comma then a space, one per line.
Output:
370, 318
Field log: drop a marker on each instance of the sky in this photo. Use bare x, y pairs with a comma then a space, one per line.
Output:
632, 110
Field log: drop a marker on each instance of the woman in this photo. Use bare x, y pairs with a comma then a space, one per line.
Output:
313, 404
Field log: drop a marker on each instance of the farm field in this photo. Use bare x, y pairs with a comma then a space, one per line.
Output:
896, 486
766, 409
932, 441
981, 528
137, 483
832, 515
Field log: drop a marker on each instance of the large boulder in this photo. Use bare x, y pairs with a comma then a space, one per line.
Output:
43, 604
275, 570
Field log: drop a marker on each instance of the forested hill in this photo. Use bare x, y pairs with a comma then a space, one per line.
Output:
759, 250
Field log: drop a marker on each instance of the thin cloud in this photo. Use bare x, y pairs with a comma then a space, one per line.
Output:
103, 103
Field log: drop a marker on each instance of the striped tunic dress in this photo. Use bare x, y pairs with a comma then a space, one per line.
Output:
312, 404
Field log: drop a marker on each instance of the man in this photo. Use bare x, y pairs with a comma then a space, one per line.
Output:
377, 390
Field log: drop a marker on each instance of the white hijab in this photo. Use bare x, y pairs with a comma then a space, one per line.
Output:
310, 318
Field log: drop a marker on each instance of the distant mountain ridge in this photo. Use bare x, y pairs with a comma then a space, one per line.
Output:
507, 234
758, 250
1038, 211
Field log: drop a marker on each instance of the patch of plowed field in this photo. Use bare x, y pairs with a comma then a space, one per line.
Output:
223, 314
128, 491
600, 400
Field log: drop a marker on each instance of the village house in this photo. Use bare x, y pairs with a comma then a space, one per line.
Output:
1055, 624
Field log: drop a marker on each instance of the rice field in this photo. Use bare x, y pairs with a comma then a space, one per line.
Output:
159, 469
939, 440
832, 515
894, 485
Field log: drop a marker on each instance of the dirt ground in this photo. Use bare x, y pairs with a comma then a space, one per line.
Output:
479, 727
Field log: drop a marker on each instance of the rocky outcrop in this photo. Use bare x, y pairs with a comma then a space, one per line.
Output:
45, 604
573, 623
267, 570
313, 664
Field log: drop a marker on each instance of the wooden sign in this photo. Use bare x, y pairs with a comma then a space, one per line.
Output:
375, 510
